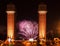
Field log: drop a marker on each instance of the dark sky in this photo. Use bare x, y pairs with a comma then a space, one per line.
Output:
27, 9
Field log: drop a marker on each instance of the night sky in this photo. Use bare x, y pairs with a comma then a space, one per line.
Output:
27, 9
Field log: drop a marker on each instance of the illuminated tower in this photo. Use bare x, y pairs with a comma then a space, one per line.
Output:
10, 20
42, 21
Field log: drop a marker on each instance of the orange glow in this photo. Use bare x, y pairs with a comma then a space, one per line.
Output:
28, 44
42, 25
10, 25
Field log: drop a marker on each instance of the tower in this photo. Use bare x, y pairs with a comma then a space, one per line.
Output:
42, 21
10, 20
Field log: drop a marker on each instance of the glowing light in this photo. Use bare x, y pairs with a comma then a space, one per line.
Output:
9, 39
31, 39
28, 29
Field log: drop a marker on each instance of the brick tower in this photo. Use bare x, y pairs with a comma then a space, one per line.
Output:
42, 22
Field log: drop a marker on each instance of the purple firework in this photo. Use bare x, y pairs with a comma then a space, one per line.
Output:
28, 29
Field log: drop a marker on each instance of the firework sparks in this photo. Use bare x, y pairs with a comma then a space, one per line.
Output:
28, 29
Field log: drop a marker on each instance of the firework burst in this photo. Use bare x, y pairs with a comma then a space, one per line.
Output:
28, 29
